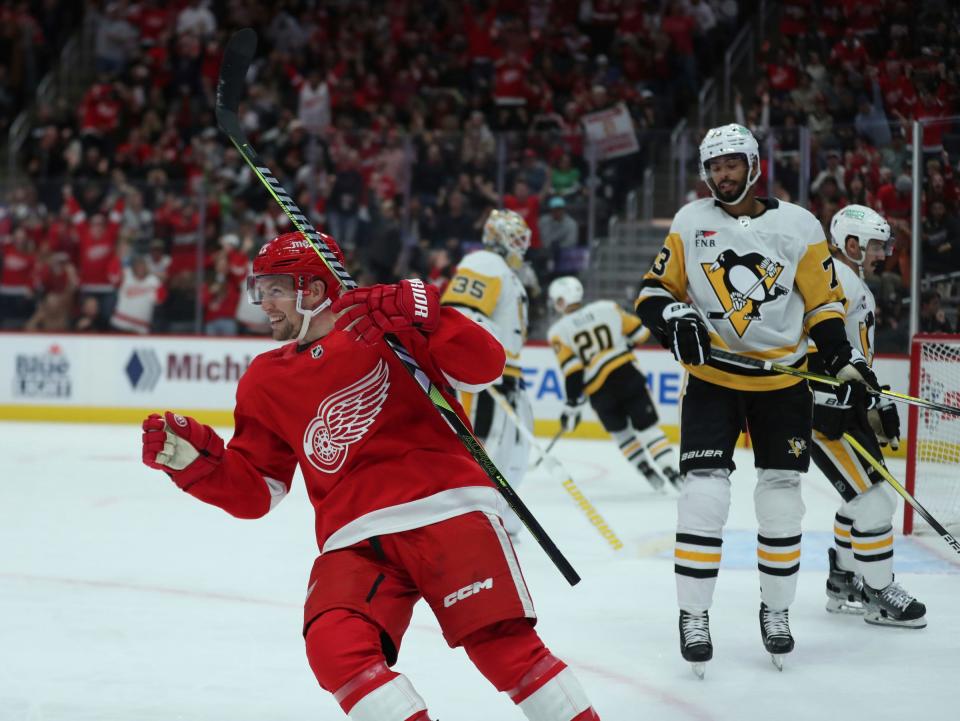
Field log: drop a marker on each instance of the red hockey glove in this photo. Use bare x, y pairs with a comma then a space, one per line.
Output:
183, 447
371, 312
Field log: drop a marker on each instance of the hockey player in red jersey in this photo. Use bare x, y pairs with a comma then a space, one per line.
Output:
403, 511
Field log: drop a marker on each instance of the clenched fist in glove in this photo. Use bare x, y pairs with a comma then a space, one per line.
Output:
686, 334
885, 421
570, 417
371, 312
849, 366
182, 446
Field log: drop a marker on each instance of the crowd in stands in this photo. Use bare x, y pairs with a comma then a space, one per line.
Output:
856, 75
396, 124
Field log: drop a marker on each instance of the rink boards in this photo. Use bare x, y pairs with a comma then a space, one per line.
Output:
121, 378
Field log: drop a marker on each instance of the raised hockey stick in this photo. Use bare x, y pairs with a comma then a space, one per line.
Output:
888, 477
559, 472
550, 445
741, 360
237, 57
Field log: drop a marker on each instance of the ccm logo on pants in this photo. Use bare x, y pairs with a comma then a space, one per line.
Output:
466, 592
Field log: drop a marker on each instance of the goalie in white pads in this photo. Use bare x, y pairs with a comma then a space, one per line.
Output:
487, 288
861, 561
594, 347
753, 276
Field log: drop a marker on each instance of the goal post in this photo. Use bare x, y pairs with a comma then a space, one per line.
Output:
933, 438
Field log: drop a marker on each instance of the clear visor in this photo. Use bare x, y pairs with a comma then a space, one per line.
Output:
270, 287
877, 248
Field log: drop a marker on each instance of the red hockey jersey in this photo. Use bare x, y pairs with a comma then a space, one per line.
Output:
376, 456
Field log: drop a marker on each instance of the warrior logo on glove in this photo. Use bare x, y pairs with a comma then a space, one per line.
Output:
742, 284
344, 418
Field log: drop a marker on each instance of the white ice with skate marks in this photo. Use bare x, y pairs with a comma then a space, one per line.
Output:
123, 598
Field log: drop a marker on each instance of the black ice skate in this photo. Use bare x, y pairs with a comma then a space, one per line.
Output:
775, 632
695, 644
653, 476
893, 606
844, 588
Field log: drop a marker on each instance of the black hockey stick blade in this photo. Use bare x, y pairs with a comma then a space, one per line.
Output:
237, 58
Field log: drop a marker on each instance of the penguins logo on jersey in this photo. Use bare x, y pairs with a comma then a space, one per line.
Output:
743, 284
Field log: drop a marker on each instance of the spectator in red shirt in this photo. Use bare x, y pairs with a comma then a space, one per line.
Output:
56, 284
18, 260
895, 200
219, 298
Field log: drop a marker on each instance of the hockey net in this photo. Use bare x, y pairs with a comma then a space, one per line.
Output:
933, 446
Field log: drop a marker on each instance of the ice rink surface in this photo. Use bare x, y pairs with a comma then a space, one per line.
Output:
123, 599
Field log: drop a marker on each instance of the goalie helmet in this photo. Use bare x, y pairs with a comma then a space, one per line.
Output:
864, 224
567, 290
730, 139
507, 233
292, 257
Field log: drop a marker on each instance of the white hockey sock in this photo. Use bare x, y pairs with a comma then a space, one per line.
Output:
873, 552
550, 692
841, 541
395, 700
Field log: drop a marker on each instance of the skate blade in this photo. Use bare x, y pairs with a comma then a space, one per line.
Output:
777, 660
699, 669
835, 605
876, 619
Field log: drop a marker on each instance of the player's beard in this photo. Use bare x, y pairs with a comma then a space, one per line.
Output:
731, 195
284, 330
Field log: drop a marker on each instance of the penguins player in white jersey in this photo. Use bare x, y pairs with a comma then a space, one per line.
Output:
594, 347
861, 561
752, 276
487, 288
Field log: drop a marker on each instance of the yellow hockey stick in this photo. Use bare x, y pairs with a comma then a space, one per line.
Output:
737, 359
888, 477
559, 472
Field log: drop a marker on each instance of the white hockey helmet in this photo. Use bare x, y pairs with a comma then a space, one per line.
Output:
567, 290
863, 223
507, 233
732, 139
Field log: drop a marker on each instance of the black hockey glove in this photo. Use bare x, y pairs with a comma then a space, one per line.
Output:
687, 335
830, 417
885, 421
570, 418
851, 367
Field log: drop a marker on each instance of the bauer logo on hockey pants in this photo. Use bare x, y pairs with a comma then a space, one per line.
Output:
467, 591
704, 453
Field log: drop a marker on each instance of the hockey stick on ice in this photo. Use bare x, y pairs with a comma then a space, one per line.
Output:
741, 360
236, 60
559, 472
888, 477
550, 445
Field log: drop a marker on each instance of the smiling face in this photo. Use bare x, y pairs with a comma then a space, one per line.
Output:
728, 174
278, 298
